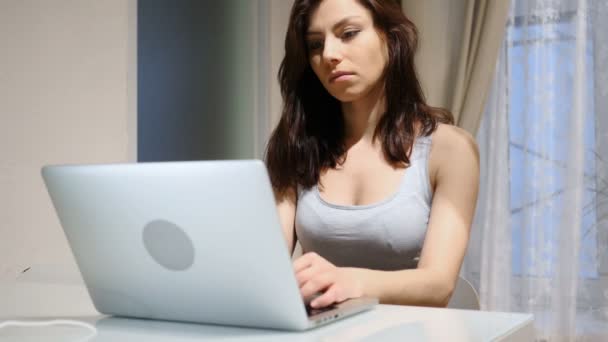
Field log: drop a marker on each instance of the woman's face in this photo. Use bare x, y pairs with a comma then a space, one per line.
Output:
346, 52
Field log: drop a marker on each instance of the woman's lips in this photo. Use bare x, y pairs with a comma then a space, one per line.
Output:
340, 77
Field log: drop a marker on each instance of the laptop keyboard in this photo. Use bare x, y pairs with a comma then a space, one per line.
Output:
310, 311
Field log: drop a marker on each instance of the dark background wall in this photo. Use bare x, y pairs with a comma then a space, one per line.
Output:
195, 80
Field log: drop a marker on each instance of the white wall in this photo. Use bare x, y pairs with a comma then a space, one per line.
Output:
68, 91
66, 96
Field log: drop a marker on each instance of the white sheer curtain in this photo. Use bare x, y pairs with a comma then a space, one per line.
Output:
539, 241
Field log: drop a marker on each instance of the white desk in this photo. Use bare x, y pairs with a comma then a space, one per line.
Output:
38, 300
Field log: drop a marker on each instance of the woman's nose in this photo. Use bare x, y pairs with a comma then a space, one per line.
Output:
331, 52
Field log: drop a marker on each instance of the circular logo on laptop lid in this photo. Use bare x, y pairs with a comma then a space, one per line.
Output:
168, 245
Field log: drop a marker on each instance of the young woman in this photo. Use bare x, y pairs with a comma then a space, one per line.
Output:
378, 187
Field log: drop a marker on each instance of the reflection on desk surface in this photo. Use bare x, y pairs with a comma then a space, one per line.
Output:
383, 323
375, 325
127, 329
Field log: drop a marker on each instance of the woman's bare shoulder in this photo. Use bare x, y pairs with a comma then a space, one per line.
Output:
452, 144
448, 139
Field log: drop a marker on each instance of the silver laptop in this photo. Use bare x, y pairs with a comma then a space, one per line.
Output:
184, 241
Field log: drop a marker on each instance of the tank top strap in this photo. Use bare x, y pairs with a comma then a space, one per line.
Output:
422, 147
420, 161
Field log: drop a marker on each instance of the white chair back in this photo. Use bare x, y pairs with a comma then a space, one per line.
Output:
464, 296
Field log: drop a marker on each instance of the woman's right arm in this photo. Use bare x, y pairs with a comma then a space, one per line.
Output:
286, 208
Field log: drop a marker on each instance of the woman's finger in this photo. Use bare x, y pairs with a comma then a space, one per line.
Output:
305, 275
328, 298
304, 261
317, 284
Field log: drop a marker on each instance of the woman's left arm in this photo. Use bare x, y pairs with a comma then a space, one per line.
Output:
432, 283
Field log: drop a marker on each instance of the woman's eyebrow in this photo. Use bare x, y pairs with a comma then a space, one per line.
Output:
342, 22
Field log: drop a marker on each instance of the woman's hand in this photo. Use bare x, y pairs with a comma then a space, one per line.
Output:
315, 274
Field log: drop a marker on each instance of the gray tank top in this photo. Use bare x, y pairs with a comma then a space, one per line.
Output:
387, 235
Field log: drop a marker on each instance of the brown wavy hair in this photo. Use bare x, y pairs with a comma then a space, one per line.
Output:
309, 137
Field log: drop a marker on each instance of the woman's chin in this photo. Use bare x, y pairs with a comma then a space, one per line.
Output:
346, 95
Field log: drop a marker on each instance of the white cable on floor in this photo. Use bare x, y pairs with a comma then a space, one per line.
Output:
52, 322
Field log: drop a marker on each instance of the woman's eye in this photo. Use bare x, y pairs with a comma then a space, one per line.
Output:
349, 34
315, 45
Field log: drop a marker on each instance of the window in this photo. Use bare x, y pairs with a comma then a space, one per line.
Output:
541, 69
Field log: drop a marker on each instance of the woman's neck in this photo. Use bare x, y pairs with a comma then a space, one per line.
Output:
362, 116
